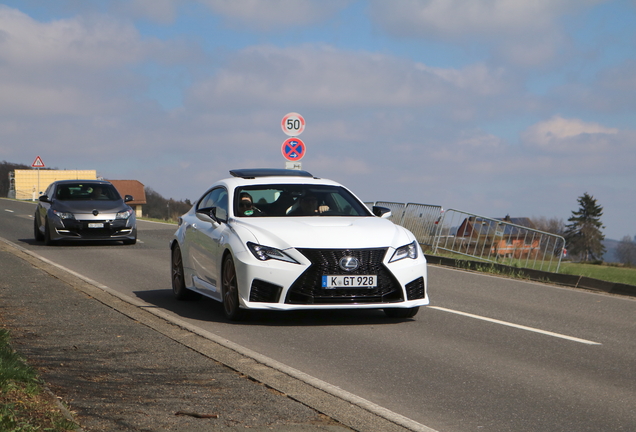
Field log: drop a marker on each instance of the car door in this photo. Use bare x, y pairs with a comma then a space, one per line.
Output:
207, 239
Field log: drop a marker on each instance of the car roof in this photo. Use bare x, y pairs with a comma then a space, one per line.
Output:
268, 172
94, 181
265, 176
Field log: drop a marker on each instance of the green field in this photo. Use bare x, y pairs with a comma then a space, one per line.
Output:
605, 272
610, 273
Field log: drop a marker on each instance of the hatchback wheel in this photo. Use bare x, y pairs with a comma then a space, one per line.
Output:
230, 291
36, 230
47, 234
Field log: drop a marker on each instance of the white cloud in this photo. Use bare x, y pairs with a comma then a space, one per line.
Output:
561, 134
78, 65
458, 18
94, 43
526, 32
162, 11
275, 14
321, 76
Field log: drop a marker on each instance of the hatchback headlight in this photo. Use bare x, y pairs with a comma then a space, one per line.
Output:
124, 214
64, 215
264, 253
406, 251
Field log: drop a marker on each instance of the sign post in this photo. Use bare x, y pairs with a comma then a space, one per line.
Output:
293, 149
37, 163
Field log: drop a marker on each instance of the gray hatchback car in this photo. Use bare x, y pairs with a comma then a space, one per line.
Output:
84, 210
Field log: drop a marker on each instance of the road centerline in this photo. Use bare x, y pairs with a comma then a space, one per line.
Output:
518, 326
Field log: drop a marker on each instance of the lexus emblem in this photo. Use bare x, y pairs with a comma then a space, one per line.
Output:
349, 263
95, 212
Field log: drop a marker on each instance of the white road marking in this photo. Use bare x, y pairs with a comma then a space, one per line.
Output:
522, 327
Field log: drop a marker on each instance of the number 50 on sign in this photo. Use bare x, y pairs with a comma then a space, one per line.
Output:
293, 124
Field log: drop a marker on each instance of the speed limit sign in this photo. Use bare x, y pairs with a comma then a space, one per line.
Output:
293, 124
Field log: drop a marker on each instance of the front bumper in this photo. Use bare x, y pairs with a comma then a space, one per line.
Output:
93, 229
277, 285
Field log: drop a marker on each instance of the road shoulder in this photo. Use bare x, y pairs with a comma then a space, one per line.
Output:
120, 366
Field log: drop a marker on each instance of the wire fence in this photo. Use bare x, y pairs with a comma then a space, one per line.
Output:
509, 241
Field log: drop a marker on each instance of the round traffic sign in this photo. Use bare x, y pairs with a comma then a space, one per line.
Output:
293, 149
293, 124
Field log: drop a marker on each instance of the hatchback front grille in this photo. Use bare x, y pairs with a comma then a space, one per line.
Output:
307, 289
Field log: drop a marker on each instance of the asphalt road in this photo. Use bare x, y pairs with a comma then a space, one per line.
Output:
490, 354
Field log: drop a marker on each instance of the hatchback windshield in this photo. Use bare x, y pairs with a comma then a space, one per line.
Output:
296, 200
86, 192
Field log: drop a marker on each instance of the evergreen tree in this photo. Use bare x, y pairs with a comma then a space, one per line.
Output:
583, 234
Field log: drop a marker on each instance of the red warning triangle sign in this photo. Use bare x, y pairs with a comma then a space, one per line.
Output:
37, 163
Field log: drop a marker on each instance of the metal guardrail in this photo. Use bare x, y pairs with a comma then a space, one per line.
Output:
420, 219
498, 241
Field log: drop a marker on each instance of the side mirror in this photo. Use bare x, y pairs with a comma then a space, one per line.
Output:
382, 212
208, 214
128, 198
44, 198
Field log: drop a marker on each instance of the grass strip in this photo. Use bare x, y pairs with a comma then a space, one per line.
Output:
24, 405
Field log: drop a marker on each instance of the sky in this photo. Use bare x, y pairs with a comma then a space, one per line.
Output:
493, 107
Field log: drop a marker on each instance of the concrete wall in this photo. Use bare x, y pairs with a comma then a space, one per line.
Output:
30, 184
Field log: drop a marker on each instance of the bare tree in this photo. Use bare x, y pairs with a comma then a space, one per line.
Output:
553, 225
626, 251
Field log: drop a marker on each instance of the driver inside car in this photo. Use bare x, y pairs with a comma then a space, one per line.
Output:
246, 205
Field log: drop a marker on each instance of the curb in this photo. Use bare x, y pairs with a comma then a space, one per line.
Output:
351, 411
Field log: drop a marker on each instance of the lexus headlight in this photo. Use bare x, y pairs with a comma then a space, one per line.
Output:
264, 253
124, 214
406, 251
63, 215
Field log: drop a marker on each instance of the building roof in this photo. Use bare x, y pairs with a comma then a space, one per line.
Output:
131, 187
514, 226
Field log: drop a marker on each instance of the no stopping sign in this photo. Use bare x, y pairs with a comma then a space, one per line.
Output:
293, 149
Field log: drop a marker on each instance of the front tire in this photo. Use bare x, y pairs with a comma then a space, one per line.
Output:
178, 278
48, 241
401, 313
36, 230
231, 305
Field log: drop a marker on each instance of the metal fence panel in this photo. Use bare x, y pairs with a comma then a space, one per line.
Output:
397, 210
422, 220
499, 241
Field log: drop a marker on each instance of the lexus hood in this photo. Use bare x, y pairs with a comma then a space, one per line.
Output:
327, 232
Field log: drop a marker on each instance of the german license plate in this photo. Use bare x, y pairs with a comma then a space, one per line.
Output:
354, 281
95, 225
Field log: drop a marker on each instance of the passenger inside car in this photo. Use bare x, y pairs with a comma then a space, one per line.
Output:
308, 206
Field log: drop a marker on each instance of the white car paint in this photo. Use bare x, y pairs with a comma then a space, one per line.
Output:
205, 241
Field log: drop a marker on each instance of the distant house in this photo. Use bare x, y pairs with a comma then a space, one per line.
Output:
134, 188
505, 237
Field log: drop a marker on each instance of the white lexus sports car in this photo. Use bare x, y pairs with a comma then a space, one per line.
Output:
282, 239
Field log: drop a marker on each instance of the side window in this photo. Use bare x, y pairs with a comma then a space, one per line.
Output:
216, 198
